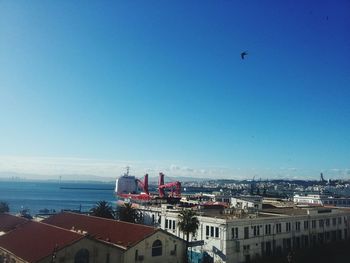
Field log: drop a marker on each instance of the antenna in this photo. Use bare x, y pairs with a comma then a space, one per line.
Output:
127, 170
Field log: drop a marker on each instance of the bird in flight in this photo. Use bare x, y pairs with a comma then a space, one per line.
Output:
243, 54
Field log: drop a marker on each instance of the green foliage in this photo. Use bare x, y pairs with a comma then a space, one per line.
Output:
102, 209
128, 214
4, 207
188, 222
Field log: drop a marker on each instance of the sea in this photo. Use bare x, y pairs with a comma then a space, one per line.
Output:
55, 196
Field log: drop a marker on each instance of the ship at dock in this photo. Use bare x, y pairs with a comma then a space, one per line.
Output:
129, 189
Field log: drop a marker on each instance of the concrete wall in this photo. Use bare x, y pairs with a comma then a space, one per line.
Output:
98, 252
173, 250
7, 257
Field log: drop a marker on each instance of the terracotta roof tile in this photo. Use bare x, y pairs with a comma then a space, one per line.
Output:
108, 230
33, 241
9, 222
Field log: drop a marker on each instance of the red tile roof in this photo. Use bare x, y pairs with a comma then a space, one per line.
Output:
117, 232
33, 241
9, 222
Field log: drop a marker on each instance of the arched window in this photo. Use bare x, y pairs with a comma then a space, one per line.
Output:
157, 248
82, 256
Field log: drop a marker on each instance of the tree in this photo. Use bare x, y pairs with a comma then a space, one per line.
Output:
188, 223
4, 207
128, 214
102, 209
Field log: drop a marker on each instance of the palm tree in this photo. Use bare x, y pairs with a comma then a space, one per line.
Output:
4, 207
102, 209
128, 214
188, 223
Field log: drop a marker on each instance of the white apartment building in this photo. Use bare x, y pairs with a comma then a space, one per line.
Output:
247, 202
321, 200
236, 237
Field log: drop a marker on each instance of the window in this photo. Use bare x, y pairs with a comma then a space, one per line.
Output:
211, 231
107, 257
268, 229
334, 221
297, 226
306, 224
170, 224
327, 222
339, 220
207, 231
82, 256
278, 228
256, 231
321, 223
238, 247
288, 228
157, 248
313, 223
246, 232
136, 255
234, 231
216, 232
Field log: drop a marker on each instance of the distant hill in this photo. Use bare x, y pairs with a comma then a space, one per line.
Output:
154, 179
86, 177
64, 177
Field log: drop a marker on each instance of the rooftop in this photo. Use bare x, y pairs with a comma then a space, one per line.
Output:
112, 231
34, 241
9, 222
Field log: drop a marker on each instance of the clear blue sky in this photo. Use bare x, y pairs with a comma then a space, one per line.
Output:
162, 82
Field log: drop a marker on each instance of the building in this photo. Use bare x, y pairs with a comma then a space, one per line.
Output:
247, 202
76, 238
321, 200
138, 243
39, 242
235, 236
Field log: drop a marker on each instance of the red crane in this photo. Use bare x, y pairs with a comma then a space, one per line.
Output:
172, 185
143, 184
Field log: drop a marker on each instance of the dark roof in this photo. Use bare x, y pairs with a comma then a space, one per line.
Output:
9, 222
33, 241
112, 231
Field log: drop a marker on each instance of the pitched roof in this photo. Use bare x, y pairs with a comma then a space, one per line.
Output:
9, 222
112, 231
33, 241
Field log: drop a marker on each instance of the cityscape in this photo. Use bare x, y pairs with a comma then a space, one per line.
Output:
174, 131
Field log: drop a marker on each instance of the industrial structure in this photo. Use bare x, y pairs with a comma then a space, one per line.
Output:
131, 189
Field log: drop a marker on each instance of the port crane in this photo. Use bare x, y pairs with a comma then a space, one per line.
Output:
143, 184
126, 187
174, 186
